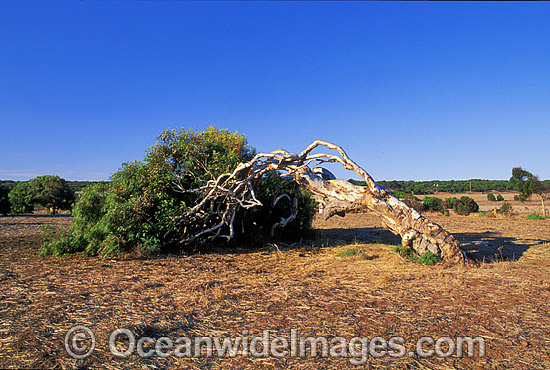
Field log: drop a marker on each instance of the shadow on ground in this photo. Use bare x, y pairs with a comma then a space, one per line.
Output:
488, 246
491, 246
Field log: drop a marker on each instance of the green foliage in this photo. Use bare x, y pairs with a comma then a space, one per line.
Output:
401, 250
426, 258
466, 206
526, 183
451, 186
505, 209
51, 192
47, 191
450, 203
534, 216
433, 204
140, 208
463, 206
491, 197
21, 198
5, 205
500, 198
518, 198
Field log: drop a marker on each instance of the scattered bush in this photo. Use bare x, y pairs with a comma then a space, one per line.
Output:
433, 204
426, 258
500, 198
450, 203
463, 206
491, 197
505, 209
519, 198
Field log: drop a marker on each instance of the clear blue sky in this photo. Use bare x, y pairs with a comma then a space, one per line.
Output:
416, 90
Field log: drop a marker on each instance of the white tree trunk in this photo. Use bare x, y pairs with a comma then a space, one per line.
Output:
231, 191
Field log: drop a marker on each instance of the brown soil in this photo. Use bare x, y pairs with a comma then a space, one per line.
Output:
305, 287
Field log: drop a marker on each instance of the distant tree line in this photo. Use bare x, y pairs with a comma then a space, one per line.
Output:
450, 186
48, 191
75, 186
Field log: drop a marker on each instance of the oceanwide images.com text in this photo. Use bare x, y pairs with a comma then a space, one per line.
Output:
80, 343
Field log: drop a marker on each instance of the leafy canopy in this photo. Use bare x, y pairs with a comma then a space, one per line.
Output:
140, 208
48, 191
526, 183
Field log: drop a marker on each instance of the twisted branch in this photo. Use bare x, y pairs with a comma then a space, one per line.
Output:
235, 191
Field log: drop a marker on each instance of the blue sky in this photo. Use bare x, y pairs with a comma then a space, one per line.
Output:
411, 90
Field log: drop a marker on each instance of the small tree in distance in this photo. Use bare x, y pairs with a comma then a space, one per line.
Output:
527, 184
21, 198
51, 192
47, 191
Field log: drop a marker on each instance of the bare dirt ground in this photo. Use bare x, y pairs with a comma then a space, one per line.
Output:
305, 287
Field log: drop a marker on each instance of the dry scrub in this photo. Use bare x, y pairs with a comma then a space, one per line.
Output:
305, 287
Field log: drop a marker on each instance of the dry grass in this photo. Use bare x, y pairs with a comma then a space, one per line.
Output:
306, 288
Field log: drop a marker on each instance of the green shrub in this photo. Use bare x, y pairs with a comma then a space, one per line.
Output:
426, 258
491, 197
450, 203
500, 198
519, 198
401, 250
139, 210
433, 204
463, 206
505, 209
468, 206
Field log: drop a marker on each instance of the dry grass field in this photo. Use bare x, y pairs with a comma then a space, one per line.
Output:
306, 287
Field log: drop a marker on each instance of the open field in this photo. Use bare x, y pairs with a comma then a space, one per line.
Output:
305, 287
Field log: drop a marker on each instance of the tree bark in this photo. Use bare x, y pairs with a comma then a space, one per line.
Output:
416, 231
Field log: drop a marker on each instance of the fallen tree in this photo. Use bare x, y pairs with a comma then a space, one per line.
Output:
221, 200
